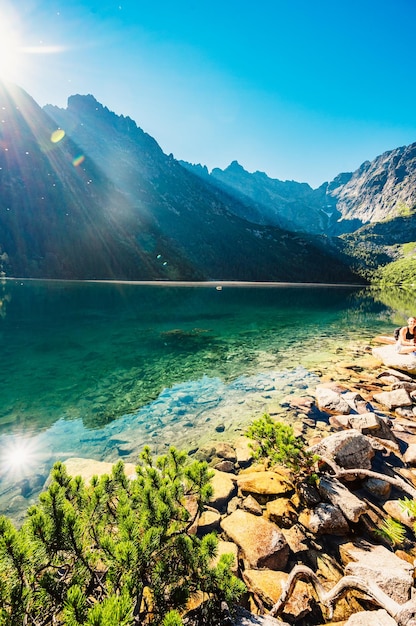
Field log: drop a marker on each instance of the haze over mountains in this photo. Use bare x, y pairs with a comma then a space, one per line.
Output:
106, 202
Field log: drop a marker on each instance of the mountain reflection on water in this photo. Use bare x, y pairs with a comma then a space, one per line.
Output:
100, 369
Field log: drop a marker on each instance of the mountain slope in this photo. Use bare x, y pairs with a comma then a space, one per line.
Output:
203, 221
59, 220
287, 204
384, 188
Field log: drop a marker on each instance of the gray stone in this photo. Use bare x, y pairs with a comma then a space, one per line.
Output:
365, 422
376, 486
330, 400
392, 359
324, 519
225, 466
394, 399
336, 493
371, 618
245, 618
349, 449
356, 402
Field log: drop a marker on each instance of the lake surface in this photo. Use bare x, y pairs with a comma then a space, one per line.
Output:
100, 369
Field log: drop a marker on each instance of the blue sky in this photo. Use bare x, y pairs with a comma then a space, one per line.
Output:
299, 89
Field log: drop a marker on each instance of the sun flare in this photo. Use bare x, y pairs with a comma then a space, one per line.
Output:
10, 48
18, 456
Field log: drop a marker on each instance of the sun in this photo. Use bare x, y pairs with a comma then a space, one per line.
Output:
10, 47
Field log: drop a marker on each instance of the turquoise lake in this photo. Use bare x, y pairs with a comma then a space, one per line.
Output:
100, 369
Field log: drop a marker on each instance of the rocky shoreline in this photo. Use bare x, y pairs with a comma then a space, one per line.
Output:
361, 421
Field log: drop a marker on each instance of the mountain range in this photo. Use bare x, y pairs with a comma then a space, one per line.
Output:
100, 200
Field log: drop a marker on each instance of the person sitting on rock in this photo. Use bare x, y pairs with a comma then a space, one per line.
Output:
406, 343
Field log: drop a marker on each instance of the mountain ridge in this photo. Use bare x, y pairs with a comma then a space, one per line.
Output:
126, 210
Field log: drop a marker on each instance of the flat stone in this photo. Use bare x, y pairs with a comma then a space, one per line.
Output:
395, 510
365, 422
375, 563
371, 618
266, 483
87, 468
296, 539
261, 542
394, 399
392, 359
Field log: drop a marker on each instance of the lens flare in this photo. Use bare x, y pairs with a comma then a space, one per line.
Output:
78, 160
57, 135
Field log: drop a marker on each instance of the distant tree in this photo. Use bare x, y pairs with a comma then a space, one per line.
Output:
117, 552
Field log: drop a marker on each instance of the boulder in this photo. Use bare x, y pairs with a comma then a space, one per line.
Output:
375, 563
333, 491
356, 402
225, 466
378, 487
324, 519
224, 489
225, 451
330, 399
262, 544
349, 449
227, 547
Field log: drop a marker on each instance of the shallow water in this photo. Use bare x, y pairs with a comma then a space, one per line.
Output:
100, 369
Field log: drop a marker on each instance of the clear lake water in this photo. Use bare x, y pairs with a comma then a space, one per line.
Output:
98, 370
